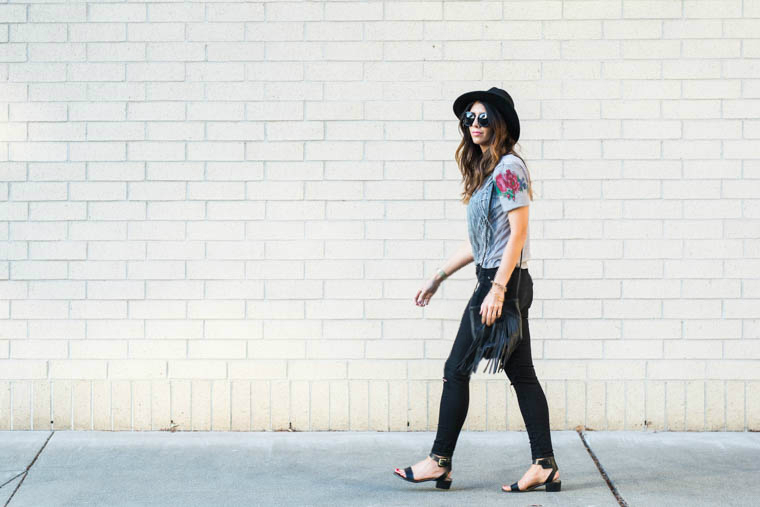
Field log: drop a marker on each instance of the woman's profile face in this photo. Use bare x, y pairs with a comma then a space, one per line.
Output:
480, 135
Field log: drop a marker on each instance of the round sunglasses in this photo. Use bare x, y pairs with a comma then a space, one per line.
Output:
468, 118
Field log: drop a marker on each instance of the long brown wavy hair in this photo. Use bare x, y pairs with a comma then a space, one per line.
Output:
475, 164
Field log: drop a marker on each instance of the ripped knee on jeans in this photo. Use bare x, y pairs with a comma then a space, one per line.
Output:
444, 379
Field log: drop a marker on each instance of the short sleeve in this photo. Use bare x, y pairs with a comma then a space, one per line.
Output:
511, 186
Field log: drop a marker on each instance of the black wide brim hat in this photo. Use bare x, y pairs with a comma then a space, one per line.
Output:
497, 98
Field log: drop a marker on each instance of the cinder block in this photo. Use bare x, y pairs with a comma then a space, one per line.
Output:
82, 405
161, 406
220, 403
339, 396
319, 405
121, 404
378, 405
141, 403
695, 405
200, 405
359, 405
398, 405
735, 405
181, 404
417, 408
675, 406
555, 398
5, 405
57, 13
576, 403
261, 403
241, 400
753, 405
615, 402
21, 396
299, 405
101, 405
42, 419
635, 410
595, 405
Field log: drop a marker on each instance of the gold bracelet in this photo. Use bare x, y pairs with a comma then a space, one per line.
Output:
502, 287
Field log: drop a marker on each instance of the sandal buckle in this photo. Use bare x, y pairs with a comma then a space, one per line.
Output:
442, 461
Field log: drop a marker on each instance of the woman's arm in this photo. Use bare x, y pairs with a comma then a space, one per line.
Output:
518, 224
461, 257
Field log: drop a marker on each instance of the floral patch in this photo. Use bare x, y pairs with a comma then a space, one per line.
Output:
508, 184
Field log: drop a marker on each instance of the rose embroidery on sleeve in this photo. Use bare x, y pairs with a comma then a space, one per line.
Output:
508, 184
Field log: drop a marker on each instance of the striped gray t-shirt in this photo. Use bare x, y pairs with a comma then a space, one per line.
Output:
511, 191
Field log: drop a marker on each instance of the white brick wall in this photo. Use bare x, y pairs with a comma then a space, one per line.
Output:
214, 215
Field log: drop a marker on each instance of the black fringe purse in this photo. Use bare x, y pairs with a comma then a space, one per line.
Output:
497, 341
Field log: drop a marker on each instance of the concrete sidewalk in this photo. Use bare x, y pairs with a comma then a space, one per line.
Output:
41, 468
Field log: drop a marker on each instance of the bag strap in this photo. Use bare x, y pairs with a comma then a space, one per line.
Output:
519, 273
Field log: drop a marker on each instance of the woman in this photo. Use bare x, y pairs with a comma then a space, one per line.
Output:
498, 237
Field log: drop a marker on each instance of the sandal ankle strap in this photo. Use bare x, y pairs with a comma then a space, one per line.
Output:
547, 462
443, 461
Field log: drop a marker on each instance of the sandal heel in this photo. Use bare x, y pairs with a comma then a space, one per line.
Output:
554, 486
443, 483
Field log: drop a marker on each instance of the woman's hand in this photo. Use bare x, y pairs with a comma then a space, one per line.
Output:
490, 309
426, 292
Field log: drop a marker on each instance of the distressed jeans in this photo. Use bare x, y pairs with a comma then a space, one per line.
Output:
455, 398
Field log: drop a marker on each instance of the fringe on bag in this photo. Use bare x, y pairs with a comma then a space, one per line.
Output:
496, 346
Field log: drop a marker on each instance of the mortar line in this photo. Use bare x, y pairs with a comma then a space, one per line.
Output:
28, 467
602, 472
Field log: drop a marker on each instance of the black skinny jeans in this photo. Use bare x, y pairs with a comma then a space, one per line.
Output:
455, 398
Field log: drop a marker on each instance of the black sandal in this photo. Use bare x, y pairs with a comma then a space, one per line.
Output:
441, 481
551, 485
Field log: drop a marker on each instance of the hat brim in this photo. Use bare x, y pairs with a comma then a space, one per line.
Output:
510, 115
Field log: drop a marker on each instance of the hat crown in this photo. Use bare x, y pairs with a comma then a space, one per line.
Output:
502, 93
